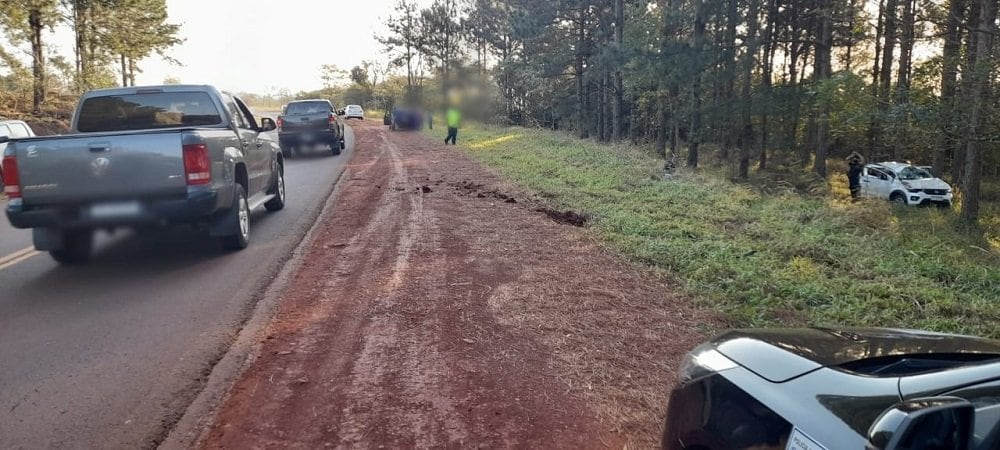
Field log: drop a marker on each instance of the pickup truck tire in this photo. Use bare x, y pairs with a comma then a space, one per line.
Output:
239, 238
343, 144
898, 198
335, 148
76, 249
278, 202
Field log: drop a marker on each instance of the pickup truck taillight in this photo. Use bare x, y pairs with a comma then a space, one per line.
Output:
197, 165
11, 178
281, 123
333, 119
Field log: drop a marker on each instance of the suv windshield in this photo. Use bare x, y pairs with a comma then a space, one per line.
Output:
308, 108
914, 173
147, 111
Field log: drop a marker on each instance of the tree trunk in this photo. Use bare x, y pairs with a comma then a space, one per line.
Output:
619, 89
746, 134
981, 75
698, 39
123, 61
662, 123
888, 48
874, 125
581, 92
37, 58
730, 128
968, 97
770, 44
824, 53
949, 82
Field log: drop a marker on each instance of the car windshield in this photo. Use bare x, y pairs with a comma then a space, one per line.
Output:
147, 111
308, 108
914, 173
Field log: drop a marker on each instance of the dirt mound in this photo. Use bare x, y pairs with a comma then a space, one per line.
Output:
565, 217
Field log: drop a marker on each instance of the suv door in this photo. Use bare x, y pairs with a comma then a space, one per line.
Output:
875, 182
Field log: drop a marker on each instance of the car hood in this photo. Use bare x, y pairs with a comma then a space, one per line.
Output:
928, 183
779, 355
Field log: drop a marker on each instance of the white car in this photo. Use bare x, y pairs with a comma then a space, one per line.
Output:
354, 112
904, 183
13, 129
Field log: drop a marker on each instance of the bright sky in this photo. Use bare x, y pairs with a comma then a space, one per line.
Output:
260, 45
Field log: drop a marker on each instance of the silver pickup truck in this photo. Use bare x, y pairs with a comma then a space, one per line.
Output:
143, 156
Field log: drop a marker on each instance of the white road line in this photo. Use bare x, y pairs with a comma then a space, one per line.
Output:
17, 254
24, 257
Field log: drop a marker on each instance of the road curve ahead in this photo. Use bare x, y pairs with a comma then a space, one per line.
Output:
109, 355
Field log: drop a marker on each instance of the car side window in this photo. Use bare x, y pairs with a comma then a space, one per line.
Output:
234, 111
741, 420
4, 131
247, 116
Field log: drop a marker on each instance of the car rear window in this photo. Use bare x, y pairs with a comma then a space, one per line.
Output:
308, 108
145, 111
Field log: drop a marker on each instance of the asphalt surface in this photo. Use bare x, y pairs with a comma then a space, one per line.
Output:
110, 354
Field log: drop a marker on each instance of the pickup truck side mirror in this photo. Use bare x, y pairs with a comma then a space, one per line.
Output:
340, 112
267, 124
946, 422
4, 139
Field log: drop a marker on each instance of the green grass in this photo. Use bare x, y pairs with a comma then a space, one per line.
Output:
780, 258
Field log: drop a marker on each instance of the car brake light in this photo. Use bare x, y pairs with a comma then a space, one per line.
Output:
197, 166
333, 119
281, 122
11, 178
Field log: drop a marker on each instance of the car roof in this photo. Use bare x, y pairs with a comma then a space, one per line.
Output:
839, 346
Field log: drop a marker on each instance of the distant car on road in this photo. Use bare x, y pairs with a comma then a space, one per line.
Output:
12, 129
904, 184
354, 112
837, 389
309, 122
142, 156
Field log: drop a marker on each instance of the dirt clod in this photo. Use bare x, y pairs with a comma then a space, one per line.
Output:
426, 189
565, 217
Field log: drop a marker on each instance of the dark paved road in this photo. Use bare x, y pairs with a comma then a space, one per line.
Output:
109, 355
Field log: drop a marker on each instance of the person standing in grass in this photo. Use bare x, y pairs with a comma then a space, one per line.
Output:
454, 118
855, 163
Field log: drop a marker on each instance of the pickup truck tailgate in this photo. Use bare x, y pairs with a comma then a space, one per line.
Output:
306, 122
99, 167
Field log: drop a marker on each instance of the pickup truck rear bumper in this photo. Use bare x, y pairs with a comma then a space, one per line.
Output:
293, 138
195, 207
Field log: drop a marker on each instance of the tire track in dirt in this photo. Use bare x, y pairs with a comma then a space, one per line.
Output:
385, 337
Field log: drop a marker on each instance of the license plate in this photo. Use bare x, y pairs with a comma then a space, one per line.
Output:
115, 210
799, 441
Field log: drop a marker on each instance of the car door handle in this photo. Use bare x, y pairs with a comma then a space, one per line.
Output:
245, 145
260, 144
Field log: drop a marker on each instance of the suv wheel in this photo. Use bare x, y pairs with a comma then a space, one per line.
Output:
898, 199
240, 216
278, 202
77, 246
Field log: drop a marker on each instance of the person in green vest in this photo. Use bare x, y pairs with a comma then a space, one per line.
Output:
454, 118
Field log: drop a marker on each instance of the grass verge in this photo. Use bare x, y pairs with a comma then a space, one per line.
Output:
775, 258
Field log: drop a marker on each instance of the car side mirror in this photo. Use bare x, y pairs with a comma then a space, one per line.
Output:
340, 112
267, 124
946, 422
4, 139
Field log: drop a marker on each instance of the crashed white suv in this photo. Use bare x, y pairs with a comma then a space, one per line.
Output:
904, 184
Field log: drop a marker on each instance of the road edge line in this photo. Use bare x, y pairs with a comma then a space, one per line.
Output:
199, 416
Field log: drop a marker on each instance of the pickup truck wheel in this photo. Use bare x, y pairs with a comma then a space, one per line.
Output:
898, 199
343, 144
278, 202
240, 237
77, 246
335, 148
